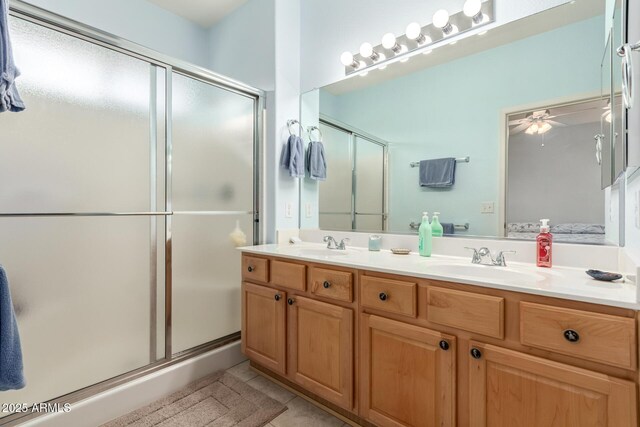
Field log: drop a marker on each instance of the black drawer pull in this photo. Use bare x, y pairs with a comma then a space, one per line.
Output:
249, 269
277, 297
326, 284
571, 335
382, 296
475, 353
290, 301
444, 344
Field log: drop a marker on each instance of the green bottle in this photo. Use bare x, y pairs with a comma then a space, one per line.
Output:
424, 236
436, 227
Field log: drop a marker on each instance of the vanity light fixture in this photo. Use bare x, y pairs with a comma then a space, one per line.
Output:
419, 38
441, 20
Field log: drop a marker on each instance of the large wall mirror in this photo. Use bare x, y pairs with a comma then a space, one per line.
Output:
528, 113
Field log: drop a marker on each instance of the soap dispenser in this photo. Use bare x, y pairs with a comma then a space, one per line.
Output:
424, 236
543, 245
436, 227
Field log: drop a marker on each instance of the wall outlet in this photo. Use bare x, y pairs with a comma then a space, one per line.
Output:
307, 210
288, 210
486, 207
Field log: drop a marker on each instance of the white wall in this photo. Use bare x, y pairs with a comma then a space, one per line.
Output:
242, 45
333, 26
138, 21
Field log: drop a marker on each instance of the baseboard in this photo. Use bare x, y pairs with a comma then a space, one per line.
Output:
123, 399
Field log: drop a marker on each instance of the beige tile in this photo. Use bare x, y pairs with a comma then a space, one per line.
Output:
242, 371
303, 413
271, 389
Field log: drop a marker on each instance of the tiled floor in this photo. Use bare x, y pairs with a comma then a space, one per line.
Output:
300, 412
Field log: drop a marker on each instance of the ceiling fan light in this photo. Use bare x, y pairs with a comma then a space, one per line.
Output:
544, 127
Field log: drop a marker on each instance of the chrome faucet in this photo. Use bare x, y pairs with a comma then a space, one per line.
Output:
483, 256
332, 244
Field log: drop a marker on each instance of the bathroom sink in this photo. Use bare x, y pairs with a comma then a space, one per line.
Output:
502, 274
317, 252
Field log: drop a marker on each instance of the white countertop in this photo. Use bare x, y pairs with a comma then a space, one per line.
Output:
559, 282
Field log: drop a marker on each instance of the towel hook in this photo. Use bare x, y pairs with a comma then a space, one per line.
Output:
310, 130
293, 122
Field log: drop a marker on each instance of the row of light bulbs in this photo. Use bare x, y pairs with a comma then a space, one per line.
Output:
471, 8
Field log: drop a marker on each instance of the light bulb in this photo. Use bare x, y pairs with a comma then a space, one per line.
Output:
347, 59
472, 7
441, 18
544, 127
388, 41
366, 50
414, 31
534, 128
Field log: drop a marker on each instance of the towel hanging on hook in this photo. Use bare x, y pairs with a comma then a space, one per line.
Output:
292, 157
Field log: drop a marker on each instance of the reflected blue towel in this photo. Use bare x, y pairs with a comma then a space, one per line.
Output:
9, 98
447, 228
11, 375
316, 161
438, 173
292, 157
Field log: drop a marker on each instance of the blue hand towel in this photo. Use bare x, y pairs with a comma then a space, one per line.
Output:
438, 173
11, 370
292, 157
9, 98
316, 161
447, 228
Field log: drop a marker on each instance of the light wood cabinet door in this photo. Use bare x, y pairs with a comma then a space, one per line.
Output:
264, 326
321, 349
407, 374
512, 389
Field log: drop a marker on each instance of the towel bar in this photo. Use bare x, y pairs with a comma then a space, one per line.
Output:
458, 160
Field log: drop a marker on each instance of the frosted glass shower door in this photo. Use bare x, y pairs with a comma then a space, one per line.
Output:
78, 174
335, 198
369, 176
212, 188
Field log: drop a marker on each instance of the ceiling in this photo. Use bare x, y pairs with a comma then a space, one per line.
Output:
203, 12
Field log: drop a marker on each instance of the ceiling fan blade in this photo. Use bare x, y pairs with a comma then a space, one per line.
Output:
519, 129
518, 122
554, 123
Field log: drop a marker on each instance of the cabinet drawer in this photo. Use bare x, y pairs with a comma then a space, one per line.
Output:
332, 284
288, 275
598, 337
483, 314
393, 296
255, 269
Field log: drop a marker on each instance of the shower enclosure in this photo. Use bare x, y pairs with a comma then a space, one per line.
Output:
119, 186
354, 195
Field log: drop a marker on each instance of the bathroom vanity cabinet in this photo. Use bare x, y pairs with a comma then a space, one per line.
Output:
393, 350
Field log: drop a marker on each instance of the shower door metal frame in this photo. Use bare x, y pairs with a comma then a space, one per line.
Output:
38, 16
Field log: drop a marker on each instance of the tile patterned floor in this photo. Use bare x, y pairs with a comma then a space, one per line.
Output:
300, 412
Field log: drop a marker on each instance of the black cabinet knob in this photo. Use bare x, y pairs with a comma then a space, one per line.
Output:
382, 296
290, 301
277, 297
326, 284
444, 345
571, 335
249, 269
475, 353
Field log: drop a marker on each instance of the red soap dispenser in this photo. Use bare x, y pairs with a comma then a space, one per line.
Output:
543, 245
